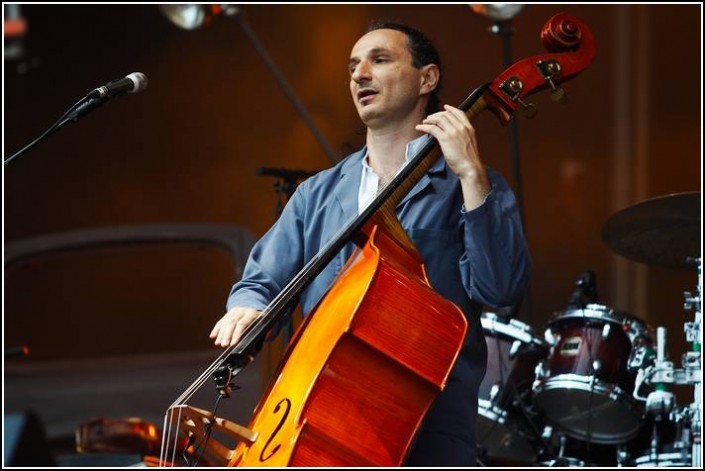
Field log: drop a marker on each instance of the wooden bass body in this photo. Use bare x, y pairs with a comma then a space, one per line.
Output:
363, 368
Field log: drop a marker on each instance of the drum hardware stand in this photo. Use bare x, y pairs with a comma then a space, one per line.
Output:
546, 451
692, 360
561, 451
561, 461
661, 403
662, 372
623, 456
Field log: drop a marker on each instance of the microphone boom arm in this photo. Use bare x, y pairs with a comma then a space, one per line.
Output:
66, 118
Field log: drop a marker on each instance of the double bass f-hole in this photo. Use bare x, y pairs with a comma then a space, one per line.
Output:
286, 402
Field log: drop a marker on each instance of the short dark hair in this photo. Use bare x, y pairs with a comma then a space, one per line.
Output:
423, 52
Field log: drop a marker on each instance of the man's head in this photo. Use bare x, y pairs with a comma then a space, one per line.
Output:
423, 52
393, 70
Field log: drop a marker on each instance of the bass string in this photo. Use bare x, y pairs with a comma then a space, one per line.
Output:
166, 438
171, 425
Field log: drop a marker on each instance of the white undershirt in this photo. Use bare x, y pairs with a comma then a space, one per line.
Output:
369, 180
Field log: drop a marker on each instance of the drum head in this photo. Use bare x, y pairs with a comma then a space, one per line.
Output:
587, 412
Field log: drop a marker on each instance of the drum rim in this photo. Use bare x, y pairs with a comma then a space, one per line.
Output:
578, 382
593, 311
581, 383
635, 326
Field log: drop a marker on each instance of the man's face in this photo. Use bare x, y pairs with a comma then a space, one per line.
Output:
385, 85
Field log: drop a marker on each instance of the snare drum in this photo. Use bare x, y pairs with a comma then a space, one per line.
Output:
504, 415
584, 387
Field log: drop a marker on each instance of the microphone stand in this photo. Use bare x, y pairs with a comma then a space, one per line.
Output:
285, 187
504, 29
76, 112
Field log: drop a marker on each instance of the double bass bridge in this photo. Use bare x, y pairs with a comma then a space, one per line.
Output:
202, 438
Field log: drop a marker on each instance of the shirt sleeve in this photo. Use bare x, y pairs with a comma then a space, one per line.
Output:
495, 265
274, 259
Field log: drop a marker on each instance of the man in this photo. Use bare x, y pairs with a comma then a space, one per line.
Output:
463, 219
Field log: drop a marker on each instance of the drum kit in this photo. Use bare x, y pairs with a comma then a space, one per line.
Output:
593, 391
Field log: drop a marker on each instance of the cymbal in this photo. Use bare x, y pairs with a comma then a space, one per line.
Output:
662, 231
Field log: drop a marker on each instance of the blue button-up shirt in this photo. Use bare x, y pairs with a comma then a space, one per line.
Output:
473, 258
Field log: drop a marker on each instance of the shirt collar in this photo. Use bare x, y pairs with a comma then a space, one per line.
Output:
412, 148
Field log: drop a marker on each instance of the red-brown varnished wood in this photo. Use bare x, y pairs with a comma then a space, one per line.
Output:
358, 380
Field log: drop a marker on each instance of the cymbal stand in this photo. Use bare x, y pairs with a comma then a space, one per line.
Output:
693, 361
662, 372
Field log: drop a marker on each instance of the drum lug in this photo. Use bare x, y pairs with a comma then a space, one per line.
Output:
495, 390
606, 329
516, 345
540, 372
551, 338
597, 366
547, 433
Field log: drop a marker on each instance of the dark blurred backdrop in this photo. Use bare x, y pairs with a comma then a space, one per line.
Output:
186, 150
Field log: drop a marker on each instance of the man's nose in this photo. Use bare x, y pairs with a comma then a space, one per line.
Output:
361, 72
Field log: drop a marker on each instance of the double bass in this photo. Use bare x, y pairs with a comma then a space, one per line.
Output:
360, 365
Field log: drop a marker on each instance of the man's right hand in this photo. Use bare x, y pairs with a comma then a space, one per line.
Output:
229, 328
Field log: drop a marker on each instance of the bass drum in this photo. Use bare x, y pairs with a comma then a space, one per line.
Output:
506, 423
585, 386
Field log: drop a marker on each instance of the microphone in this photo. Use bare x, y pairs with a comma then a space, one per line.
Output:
133, 83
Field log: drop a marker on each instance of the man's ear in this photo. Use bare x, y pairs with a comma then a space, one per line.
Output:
430, 75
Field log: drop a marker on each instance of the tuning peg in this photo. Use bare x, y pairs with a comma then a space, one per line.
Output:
550, 69
512, 88
558, 95
527, 109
